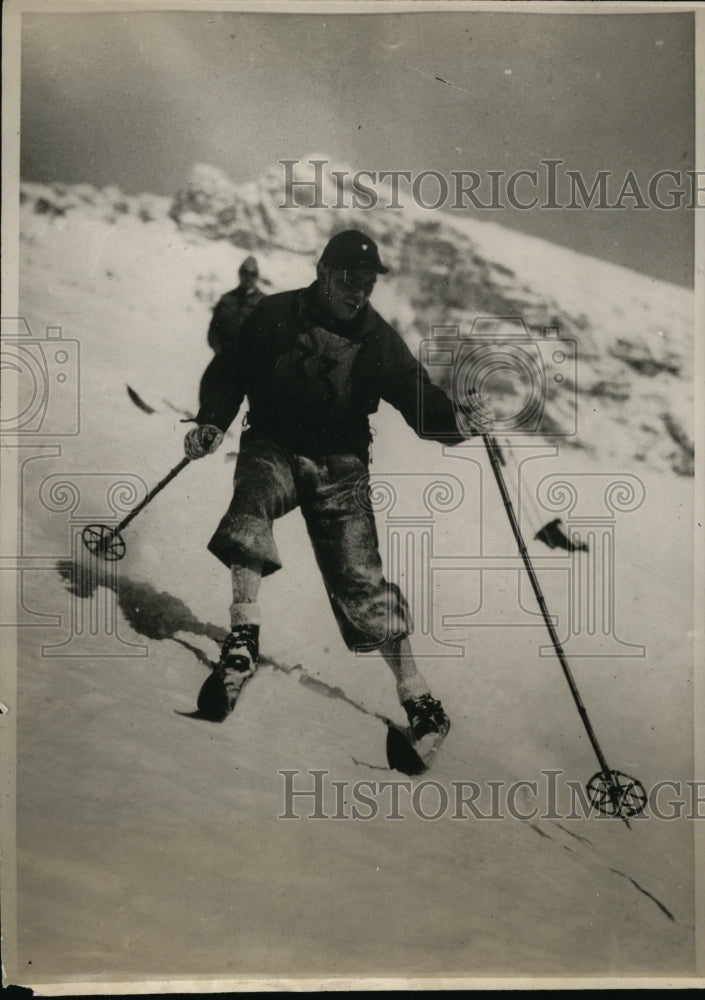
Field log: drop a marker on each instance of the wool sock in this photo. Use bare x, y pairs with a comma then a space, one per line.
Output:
410, 682
246, 581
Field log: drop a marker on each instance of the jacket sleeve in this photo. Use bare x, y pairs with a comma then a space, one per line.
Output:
223, 316
222, 388
405, 384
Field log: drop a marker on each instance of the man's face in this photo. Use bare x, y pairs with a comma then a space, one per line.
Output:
347, 290
248, 279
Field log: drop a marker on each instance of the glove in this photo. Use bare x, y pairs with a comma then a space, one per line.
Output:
203, 440
478, 415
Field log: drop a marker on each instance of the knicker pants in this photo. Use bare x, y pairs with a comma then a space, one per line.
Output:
269, 482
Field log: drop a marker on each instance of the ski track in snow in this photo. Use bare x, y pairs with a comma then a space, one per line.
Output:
435, 773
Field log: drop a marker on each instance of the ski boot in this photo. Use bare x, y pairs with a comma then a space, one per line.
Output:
428, 725
238, 662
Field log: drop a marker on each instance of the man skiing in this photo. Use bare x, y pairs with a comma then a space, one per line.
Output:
314, 363
235, 306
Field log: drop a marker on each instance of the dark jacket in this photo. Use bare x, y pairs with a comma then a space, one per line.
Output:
312, 380
231, 310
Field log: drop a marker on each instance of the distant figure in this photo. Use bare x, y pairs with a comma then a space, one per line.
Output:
233, 307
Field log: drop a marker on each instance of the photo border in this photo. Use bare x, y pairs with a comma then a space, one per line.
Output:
13, 11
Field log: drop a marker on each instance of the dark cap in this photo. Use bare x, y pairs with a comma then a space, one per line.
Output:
249, 266
352, 249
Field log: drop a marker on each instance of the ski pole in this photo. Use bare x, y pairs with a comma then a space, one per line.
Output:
612, 791
102, 540
535, 518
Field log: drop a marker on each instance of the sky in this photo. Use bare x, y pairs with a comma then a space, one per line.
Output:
135, 99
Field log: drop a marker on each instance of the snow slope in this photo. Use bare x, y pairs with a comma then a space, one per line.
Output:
151, 843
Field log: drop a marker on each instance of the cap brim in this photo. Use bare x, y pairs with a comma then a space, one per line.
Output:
362, 263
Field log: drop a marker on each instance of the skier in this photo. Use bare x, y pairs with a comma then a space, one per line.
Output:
313, 364
235, 306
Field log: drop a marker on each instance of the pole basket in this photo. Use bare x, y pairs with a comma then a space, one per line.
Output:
103, 541
616, 794
106, 542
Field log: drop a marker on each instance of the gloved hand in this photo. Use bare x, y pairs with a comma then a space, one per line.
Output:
203, 440
478, 415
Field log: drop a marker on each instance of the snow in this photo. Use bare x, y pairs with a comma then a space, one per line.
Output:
151, 844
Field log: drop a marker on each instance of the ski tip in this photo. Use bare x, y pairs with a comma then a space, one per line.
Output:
194, 715
401, 755
138, 401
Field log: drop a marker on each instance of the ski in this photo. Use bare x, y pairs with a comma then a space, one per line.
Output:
138, 401
146, 407
408, 756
